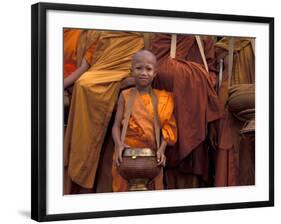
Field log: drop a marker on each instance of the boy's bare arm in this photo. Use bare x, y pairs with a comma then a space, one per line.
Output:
69, 80
116, 131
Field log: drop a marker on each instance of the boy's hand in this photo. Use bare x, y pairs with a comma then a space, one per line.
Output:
119, 150
161, 158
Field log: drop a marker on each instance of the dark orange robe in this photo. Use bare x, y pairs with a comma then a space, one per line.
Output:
140, 131
70, 40
196, 104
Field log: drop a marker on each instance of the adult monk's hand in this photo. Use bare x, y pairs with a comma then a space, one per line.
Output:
127, 82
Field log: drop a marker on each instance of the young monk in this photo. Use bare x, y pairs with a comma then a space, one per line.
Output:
145, 104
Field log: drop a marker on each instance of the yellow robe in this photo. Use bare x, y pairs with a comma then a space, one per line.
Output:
140, 131
243, 71
94, 97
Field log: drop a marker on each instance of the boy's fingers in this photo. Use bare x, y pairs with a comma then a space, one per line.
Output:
120, 157
158, 156
159, 159
126, 146
117, 161
162, 160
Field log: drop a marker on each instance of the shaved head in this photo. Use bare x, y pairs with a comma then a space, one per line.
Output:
144, 54
143, 68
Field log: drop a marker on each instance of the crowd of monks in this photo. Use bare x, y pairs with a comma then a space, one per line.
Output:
210, 150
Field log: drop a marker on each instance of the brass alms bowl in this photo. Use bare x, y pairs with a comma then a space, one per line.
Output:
139, 167
241, 98
241, 103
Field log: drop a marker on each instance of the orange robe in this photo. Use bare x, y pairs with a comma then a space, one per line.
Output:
70, 40
235, 155
94, 97
140, 131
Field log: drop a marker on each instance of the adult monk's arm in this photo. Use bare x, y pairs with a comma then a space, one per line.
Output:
69, 80
127, 82
116, 133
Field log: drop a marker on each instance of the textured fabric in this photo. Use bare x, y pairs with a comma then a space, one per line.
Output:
196, 104
70, 40
140, 131
94, 96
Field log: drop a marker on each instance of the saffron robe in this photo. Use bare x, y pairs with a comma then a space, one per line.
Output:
196, 104
94, 97
140, 132
70, 40
235, 156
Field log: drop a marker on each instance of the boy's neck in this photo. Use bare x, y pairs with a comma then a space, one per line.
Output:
144, 89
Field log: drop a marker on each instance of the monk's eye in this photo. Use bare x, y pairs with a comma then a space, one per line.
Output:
148, 68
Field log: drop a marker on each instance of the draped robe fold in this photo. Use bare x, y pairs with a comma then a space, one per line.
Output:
196, 104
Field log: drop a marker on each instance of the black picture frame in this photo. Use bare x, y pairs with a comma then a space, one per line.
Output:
39, 114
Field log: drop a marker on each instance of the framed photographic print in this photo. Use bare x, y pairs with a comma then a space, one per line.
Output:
139, 111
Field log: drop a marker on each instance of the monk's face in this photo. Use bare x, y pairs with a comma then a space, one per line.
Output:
144, 69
